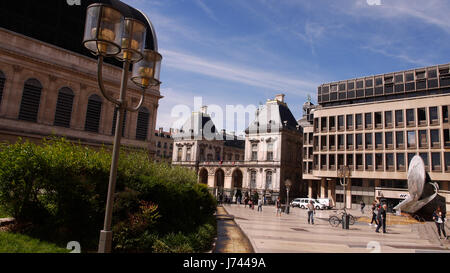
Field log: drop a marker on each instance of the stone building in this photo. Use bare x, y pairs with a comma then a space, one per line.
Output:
163, 145
48, 80
270, 153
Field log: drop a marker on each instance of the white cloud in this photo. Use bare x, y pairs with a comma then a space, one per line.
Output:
236, 73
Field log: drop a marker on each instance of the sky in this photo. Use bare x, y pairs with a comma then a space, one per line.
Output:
243, 52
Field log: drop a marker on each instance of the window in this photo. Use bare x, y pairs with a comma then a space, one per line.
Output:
446, 138
323, 162
400, 162
410, 157
351, 85
436, 162
142, 123
253, 180
399, 140
218, 157
188, 154
316, 125
423, 143
332, 124
63, 112
124, 122
445, 114
409, 77
410, 118
268, 180
369, 83
388, 139
447, 161
359, 123
350, 161
379, 162
332, 162
398, 78
389, 162
368, 120
349, 122
359, 141
359, 84
323, 124
237, 157
341, 142
411, 139
424, 156
359, 162
369, 162
159, 144
378, 81
369, 141
179, 154
350, 141
31, 97
93, 112
378, 120
420, 75
270, 151
388, 119
323, 143
434, 117
254, 152
422, 116
2, 85
340, 158
332, 142
340, 123
399, 118
202, 154
379, 140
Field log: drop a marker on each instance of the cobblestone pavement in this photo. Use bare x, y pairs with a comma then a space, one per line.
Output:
230, 238
291, 233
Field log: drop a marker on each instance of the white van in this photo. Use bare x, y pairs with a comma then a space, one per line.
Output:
303, 202
325, 201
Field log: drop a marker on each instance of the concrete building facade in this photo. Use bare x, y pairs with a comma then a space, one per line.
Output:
375, 125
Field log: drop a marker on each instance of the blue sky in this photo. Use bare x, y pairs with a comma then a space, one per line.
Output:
232, 52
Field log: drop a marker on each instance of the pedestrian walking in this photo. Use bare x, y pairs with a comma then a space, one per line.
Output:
381, 217
311, 211
245, 201
260, 204
363, 205
374, 213
278, 206
439, 219
250, 204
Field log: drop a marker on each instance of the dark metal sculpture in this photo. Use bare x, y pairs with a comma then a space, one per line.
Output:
423, 196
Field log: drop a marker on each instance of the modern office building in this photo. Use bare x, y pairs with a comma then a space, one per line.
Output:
262, 162
48, 80
375, 125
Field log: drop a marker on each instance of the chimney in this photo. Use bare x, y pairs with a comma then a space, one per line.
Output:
204, 109
161, 130
280, 97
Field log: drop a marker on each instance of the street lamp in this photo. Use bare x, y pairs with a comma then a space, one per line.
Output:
288, 184
344, 175
108, 33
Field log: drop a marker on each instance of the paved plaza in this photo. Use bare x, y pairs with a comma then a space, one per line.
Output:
291, 233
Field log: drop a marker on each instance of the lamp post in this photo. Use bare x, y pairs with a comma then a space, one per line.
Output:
344, 175
108, 34
288, 184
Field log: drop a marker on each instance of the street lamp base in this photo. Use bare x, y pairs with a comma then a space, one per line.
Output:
104, 245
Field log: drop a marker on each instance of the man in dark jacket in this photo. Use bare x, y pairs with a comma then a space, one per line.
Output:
381, 217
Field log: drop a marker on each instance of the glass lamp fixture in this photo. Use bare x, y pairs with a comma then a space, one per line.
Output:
133, 39
103, 30
146, 72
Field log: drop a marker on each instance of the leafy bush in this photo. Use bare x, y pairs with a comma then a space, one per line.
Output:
60, 188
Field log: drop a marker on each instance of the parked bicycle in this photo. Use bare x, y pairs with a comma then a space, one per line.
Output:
336, 220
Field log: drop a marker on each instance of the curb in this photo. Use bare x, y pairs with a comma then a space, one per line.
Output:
252, 243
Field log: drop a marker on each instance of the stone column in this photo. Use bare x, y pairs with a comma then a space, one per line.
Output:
323, 187
228, 179
332, 192
349, 193
310, 188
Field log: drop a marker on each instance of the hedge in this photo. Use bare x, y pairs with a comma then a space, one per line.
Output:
59, 189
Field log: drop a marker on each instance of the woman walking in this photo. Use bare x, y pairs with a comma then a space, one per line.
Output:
278, 206
374, 213
439, 219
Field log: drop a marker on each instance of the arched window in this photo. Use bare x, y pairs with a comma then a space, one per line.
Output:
142, 124
93, 112
63, 112
269, 180
2, 85
253, 180
113, 131
31, 98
